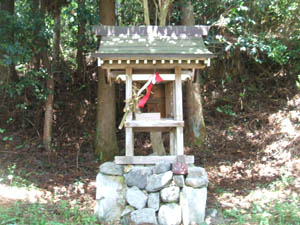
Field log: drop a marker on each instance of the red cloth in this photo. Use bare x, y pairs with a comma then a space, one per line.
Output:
144, 100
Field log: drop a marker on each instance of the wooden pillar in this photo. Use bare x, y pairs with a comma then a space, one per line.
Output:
129, 131
178, 112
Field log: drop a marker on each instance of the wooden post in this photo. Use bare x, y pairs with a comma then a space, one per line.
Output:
178, 112
172, 142
170, 112
129, 131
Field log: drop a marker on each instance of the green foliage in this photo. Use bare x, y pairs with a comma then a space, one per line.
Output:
276, 212
45, 214
227, 110
130, 12
14, 177
267, 31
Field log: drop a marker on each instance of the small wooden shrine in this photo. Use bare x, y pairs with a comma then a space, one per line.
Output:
135, 55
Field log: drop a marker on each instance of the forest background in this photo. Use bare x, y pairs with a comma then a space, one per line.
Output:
248, 99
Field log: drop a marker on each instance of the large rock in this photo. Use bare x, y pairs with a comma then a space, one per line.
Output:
197, 177
156, 182
169, 214
170, 194
110, 168
110, 197
192, 202
144, 216
178, 180
138, 176
153, 201
161, 167
136, 198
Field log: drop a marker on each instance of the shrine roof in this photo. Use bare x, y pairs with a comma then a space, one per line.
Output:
152, 42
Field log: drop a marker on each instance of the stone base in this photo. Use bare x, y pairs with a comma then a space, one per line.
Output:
151, 195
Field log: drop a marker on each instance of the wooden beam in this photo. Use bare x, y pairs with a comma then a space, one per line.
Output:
155, 123
129, 139
178, 94
179, 112
146, 77
151, 159
153, 129
172, 143
157, 57
158, 65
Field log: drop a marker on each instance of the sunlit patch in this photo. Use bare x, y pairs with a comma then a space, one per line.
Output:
20, 193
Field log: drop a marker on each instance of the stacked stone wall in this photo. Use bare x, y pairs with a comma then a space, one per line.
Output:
153, 195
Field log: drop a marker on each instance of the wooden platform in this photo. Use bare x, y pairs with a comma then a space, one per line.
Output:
155, 123
151, 159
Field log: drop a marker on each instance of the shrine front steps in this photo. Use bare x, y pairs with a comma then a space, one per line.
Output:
150, 194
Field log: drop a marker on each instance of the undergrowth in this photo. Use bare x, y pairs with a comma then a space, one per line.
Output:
269, 210
276, 212
22, 213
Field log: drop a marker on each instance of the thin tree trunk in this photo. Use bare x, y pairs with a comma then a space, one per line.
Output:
146, 12
80, 59
48, 120
195, 130
106, 140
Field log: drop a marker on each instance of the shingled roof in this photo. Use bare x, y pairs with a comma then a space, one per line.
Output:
152, 42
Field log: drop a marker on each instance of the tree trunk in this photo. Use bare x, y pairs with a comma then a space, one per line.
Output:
80, 60
146, 12
106, 139
48, 120
195, 130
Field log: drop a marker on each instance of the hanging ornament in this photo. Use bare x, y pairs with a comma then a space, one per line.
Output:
155, 79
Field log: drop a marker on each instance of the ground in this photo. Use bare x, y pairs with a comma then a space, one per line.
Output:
252, 158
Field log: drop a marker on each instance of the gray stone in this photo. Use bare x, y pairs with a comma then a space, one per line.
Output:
156, 182
169, 214
161, 167
138, 176
197, 177
196, 182
110, 168
153, 201
128, 209
179, 180
143, 216
196, 171
110, 197
212, 212
192, 202
136, 198
170, 194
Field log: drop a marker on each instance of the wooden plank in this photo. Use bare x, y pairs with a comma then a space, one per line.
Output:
179, 141
178, 94
193, 31
128, 87
172, 143
158, 123
146, 77
129, 139
150, 159
152, 129
147, 116
129, 142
